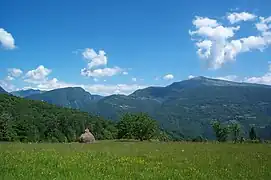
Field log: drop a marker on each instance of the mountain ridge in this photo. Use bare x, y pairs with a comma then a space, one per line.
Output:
71, 97
27, 92
185, 108
189, 106
2, 91
198, 79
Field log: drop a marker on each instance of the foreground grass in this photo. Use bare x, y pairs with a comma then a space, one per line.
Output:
134, 160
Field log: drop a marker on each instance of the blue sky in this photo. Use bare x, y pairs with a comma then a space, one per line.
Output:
119, 46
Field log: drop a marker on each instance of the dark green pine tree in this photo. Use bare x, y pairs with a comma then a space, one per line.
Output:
252, 134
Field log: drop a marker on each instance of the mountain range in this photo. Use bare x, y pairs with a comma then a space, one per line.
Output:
185, 109
72, 97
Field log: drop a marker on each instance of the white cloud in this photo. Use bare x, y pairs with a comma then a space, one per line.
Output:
264, 24
253, 42
27, 87
168, 77
6, 39
204, 50
134, 79
53, 84
9, 78
101, 89
95, 79
38, 79
211, 42
267, 20
15, 72
265, 79
204, 22
38, 74
7, 86
262, 27
238, 17
228, 78
94, 59
216, 44
101, 72
215, 33
191, 77
113, 89
97, 63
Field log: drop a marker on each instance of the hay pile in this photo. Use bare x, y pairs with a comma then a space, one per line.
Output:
87, 137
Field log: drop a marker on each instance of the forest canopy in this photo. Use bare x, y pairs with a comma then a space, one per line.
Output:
27, 120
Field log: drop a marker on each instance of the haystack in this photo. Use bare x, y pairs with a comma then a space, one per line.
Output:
87, 137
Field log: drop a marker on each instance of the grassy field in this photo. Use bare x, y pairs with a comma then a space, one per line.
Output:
135, 160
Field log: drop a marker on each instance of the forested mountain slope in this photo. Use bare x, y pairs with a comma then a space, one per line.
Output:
188, 107
27, 120
72, 97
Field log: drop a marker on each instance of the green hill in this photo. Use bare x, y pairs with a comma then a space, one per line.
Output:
28, 120
184, 108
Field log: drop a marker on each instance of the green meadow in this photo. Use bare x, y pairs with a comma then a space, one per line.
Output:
135, 160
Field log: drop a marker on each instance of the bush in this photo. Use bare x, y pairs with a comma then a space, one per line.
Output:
198, 139
137, 126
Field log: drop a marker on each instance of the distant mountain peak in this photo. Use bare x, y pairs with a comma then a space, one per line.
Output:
199, 78
27, 92
2, 91
203, 78
215, 82
70, 88
76, 87
74, 97
68, 91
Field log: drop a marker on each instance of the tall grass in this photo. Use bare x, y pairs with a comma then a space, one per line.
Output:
135, 160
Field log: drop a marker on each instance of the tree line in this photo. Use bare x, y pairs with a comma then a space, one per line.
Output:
142, 127
233, 129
